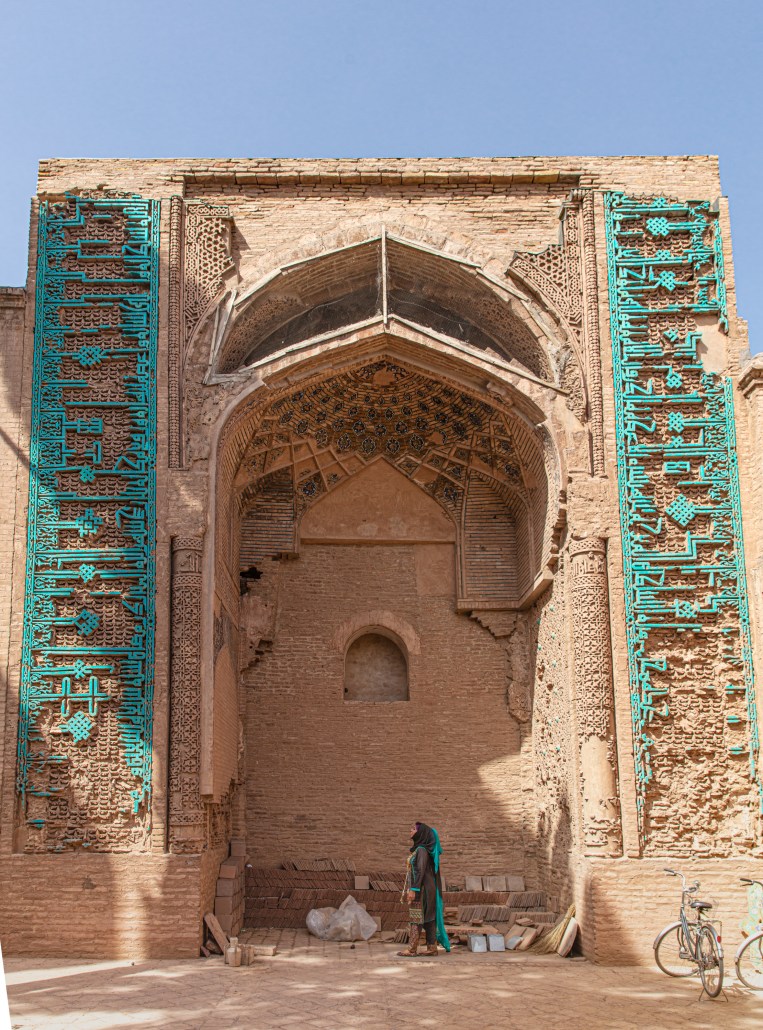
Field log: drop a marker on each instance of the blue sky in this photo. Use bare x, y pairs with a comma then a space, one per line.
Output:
392, 78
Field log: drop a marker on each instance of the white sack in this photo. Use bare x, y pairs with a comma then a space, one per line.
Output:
349, 922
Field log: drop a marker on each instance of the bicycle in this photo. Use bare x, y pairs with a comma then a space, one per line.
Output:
748, 960
685, 949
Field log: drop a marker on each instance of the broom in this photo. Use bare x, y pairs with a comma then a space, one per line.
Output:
549, 942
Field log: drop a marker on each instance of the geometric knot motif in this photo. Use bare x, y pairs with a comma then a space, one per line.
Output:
88, 523
79, 726
682, 510
88, 356
676, 421
86, 622
658, 226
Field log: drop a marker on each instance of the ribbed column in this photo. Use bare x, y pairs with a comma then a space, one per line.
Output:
594, 697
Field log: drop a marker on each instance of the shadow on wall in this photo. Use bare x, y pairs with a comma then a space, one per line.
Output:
96, 905
632, 899
92, 904
13, 447
328, 777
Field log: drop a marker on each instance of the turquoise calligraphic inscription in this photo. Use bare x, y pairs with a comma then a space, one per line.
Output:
84, 745
688, 626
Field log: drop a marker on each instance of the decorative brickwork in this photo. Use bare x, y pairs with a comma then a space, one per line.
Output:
690, 655
556, 272
590, 629
85, 728
565, 275
206, 259
435, 433
200, 256
187, 815
552, 739
390, 414
594, 698
176, 334
592, 337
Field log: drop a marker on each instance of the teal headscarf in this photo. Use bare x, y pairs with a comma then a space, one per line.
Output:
442, 934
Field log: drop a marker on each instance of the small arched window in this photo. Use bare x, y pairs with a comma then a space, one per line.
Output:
375, 669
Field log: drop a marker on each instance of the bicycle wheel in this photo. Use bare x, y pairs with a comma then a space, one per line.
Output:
710, 961
749, 962
672, 954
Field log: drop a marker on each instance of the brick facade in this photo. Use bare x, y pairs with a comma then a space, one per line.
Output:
384, 390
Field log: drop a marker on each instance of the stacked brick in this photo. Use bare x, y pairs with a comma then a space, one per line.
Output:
230, 893
283, 897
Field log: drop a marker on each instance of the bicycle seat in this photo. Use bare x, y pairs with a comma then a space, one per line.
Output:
700, 906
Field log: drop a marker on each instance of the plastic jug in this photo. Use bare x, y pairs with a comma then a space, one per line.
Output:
233, 953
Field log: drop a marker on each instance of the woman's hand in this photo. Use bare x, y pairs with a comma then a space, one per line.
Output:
411, 897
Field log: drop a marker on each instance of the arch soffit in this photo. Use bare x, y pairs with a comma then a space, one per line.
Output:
536, 455
538, 405
374, 621
241, 416
537, 314
516, 500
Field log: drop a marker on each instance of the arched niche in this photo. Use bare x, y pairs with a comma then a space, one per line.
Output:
375, 667
406, 432
437, 429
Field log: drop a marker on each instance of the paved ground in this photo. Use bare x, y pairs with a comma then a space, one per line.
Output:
313, 985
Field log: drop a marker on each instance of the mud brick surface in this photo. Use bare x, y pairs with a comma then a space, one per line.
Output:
511, 813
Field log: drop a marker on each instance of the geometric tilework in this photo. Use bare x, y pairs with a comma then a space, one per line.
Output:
84, 746
681, 510
688, 629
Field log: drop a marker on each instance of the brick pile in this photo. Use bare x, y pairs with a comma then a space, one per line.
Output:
282, 898
230, 892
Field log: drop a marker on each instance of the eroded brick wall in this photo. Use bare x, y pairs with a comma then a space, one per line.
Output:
328, 777
451, 754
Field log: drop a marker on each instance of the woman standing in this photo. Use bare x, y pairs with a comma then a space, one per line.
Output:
423, 892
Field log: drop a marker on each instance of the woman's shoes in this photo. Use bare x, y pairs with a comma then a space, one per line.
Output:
412, 950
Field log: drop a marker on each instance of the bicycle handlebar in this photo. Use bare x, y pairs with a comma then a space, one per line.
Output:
688, 890
749, 883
